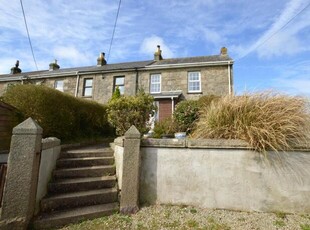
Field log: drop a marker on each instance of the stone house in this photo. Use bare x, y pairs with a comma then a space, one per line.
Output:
168, 80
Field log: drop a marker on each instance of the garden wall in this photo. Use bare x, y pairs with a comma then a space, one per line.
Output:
223, 174
50, 153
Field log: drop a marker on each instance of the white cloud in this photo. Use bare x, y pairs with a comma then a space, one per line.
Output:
149, 46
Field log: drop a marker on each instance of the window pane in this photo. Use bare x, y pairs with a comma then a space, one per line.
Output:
88, 91
59, 85
121, 89
119, 81
194, 82
88, 82
155, 83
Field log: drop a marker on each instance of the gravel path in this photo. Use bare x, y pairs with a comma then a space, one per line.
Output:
185, 217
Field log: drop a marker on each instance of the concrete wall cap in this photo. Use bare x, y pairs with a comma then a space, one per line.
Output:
50, 142
132, 133
28, 126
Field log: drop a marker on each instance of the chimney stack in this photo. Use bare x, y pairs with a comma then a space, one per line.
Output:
223, 51
15, 70
157, 54
101, 60
54, 66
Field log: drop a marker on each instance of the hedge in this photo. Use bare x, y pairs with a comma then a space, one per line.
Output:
59, 114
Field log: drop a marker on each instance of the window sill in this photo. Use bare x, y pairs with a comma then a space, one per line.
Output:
87, 96
195, 92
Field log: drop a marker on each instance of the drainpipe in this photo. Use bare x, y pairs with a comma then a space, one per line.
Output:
77, 83
172, 106
229, 79
137, 80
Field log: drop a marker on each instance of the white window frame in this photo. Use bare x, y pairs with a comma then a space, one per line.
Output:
57, 87
155, 83
193, 81
85, 87
120, 86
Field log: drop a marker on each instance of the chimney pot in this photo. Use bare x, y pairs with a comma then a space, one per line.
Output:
16, 69
54, 66
223, 51
101, 60
157, 54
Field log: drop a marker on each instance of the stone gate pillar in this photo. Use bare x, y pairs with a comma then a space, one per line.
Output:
22, 176
129, 202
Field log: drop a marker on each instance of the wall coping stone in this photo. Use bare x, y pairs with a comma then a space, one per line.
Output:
119, 141
217, 143
132, 133
28, 126
168, 143
206, 144
50, 142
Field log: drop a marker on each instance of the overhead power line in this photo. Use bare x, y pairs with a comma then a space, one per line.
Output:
119, 6
267, 39
34, 59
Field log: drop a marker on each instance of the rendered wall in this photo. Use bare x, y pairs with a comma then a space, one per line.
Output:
211, 174
49, 155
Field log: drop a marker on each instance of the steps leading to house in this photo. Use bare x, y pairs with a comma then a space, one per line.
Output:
83, 187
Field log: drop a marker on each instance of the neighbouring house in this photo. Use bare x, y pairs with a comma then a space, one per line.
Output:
168, 80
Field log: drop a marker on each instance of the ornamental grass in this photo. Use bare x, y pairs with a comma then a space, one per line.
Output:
267, 121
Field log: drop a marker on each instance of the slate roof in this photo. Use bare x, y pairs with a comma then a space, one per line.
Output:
186, 60
126, 65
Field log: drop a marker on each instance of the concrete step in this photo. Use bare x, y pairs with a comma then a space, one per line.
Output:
61, 218
83, 162
78, 199
81, 184
77, 154
92, 171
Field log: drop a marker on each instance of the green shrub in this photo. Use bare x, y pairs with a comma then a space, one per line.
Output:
266, 121
59, 114
125, 111
185, 114
164, 127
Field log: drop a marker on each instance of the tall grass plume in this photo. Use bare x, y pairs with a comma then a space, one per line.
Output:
267, 121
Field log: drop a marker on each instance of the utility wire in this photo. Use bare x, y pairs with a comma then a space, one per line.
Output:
262, 43
119, 6
34, 59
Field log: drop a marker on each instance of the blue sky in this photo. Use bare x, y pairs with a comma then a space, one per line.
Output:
269, 40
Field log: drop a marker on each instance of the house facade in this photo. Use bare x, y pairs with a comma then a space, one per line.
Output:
167, 80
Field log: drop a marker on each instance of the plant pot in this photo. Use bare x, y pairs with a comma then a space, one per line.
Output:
180, 135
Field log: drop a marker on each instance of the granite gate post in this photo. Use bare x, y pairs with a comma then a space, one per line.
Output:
22, 175
129, 202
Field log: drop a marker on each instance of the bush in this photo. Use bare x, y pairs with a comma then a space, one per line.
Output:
59, 114
164, 127
266, 121
187, 112
125, 111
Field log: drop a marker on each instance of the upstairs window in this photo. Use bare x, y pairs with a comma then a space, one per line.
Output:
194, 82
88, 87
155, 83
120, 83
59, 85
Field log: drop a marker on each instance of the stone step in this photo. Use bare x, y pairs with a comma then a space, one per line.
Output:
61, 218
81, 184
83, 162
78, 199
78, 154
92, 171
